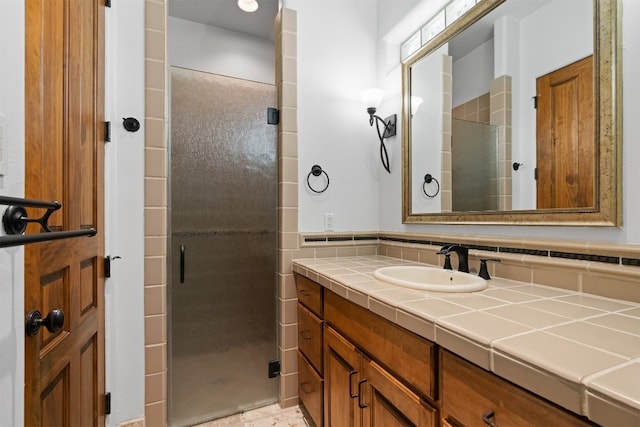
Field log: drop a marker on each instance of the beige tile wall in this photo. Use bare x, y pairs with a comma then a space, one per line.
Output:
287, 86
592, 277
446, 196
598, 278
500, 107
474, 110
155, 202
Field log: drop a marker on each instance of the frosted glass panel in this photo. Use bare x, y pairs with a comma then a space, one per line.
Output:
223, 212
474, 162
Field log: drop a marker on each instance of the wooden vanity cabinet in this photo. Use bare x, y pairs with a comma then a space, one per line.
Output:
310, 342
359, 392
356, 368
376, 373
472, 397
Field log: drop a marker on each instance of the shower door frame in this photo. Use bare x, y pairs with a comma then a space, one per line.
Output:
170, 256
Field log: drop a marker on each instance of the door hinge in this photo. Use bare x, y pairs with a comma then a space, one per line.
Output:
274, 368
107, 265
107, 131
107, 403
273, 116
535, 174
107, 3
535, 101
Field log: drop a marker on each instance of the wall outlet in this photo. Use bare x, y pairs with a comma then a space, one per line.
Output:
328, 222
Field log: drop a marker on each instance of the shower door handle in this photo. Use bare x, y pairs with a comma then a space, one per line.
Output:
182, 263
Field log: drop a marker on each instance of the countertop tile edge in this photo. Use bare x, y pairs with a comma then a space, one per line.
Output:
569, 394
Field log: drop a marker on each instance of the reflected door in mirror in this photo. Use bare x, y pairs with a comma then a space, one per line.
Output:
565, 137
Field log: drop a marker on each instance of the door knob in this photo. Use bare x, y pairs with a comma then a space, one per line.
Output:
53, 322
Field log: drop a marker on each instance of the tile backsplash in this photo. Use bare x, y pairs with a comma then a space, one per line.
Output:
609, 270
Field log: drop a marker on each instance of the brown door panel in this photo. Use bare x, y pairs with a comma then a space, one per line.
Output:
64, 137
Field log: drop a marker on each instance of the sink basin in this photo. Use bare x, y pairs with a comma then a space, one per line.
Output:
430, 279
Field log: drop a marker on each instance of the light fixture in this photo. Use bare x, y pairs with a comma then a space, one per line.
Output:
371, 99
248, 5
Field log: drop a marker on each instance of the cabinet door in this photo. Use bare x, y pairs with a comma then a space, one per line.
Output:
388, 403
342, 365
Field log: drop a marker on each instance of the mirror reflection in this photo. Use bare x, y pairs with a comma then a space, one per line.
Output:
507, 121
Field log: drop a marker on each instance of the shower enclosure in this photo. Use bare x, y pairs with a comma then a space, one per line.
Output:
474, 166
223, 247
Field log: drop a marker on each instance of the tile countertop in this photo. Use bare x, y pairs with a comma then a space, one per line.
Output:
578, 350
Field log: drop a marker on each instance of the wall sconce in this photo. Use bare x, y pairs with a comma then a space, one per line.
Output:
371, 99
248, 5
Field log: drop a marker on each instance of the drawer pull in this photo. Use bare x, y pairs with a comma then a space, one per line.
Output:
306, 335
360, 404
306, 387
351, 393
305, 293
488, 418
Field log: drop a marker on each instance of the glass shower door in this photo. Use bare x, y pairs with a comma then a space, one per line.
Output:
223, 247
474, 166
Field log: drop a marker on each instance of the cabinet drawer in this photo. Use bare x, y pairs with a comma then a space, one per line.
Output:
310, 337
470, 393
310, 389
309, 294
406, 355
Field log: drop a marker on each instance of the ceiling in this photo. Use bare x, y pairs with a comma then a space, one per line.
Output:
226, 14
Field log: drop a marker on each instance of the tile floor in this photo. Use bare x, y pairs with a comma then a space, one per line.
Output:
268, 416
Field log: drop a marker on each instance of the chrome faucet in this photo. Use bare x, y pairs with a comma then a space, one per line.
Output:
463, 255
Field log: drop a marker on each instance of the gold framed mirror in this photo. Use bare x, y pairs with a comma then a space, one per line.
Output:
433, 144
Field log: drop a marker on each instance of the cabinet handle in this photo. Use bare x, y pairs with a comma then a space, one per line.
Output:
360, 404
351, 393
305, 335
306, 387
488, 418
305, 293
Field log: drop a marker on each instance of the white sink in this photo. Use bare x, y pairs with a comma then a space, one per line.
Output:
430, 279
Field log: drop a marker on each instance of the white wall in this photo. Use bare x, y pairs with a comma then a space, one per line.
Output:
336, 61
219, 51
390, 195
427, 149
12, 184
542, 52
124, 211
472, 74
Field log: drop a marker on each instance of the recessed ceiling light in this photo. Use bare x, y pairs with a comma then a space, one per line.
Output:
248, 5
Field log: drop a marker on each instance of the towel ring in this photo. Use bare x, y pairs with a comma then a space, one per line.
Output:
316, 170
428, 179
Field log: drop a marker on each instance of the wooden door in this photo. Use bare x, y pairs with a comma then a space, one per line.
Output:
342, 376
64, 68
566, 152
391, 404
